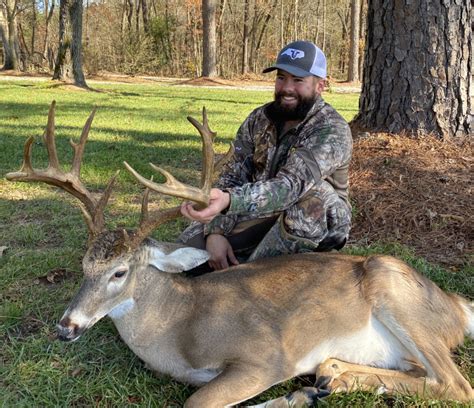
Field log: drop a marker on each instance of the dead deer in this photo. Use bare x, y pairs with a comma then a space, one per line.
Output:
370, 323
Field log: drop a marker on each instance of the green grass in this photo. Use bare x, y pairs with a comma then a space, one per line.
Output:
45, 235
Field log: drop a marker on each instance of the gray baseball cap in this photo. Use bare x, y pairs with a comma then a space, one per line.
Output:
302, 59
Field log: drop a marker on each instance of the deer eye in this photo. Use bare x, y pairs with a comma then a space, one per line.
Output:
120, 274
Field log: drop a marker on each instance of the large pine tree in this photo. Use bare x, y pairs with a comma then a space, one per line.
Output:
418, 67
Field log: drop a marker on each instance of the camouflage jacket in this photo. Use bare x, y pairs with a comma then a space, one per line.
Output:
270, 172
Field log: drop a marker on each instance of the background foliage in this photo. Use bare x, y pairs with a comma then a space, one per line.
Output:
164, 37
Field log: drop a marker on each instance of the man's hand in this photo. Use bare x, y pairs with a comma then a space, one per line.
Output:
221, 252
219, 200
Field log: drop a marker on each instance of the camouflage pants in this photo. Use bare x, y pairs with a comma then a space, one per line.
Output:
320, 221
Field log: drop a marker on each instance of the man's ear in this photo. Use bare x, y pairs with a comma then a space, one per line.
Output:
182, 259
320, 85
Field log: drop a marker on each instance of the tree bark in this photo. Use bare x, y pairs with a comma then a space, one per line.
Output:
63, 42
353, 74
33, 27
417, 68
245, 39
75, 14
9, 34
7, 51
70, 37
48, 12
146, 24
209, 8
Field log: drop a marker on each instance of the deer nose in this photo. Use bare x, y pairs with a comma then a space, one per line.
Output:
67, 330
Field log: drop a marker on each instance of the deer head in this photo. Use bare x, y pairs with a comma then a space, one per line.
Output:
112, 256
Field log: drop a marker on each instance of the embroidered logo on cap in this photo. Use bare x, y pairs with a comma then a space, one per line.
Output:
293, 53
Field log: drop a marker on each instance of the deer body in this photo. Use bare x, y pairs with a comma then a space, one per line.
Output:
367, 323
275, 319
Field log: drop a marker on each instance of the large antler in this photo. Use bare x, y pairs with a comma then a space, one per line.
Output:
175, 188
92, 208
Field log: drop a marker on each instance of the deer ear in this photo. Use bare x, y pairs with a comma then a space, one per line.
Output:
182, 259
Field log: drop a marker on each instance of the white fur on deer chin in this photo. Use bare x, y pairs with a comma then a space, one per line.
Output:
122, 309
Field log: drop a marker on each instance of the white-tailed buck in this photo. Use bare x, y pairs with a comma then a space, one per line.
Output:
371, 323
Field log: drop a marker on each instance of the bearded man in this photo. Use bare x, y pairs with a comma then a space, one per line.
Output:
286, 188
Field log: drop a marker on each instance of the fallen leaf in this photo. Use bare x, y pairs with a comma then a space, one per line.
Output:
76, 372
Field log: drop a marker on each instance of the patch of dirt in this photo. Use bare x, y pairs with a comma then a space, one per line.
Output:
414, 191
204, 81
29, 326
250, 82
55, 277
238, 82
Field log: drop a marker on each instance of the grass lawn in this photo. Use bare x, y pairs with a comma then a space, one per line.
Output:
45, 235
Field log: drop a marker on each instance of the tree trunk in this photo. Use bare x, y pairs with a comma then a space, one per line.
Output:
245, 39
33, 27
63, 42
137, 19
7, 51
269, 15
70, 40
363, 28
146, 25
295, 23
24, 52
353, 75
209, 8
417, 68
9, 34
48, 14
75, 14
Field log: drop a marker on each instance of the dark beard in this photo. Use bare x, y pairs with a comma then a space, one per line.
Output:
283, 113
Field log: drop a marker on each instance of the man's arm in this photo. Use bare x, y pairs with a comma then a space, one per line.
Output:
305, 167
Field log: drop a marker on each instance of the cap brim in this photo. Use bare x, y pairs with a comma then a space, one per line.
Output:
290, 69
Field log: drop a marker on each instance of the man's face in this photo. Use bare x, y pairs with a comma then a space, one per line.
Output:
294, 95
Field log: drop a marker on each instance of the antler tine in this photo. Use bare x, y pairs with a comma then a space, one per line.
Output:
27, 167
149, 222
92, 209
207, 136
221, 161
172, 186
50, 140
79, 147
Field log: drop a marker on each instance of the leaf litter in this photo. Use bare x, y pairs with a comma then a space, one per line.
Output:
417, 192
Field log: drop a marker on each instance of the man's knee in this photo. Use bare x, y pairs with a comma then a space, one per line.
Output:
323, 218
193, 236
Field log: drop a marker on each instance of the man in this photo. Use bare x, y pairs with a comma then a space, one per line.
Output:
286, 188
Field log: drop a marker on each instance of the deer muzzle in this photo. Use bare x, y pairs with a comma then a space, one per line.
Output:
68, 330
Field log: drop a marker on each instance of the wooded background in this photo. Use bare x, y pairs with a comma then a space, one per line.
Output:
165, 37
418, 55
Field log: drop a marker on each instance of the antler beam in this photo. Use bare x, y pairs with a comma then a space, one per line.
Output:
92, 208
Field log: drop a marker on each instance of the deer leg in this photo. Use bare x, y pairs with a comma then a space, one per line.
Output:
339, 376
306, 397
236, 384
